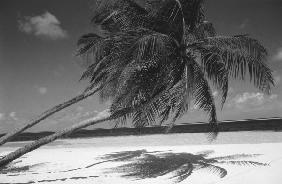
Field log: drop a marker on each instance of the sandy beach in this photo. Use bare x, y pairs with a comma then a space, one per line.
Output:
92, 160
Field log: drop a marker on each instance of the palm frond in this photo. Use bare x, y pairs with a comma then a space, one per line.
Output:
182, 94
203, 99
149, 74
202, 93
117, 12
216, 72
86, 42
110, 57
205, 29
193, 12
242, 55
192, 84
170, 20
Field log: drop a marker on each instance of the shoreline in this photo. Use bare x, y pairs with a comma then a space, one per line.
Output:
273, 124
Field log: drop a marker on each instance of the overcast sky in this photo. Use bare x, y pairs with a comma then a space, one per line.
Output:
38, 68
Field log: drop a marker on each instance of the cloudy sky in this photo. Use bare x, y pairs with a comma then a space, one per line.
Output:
38, 68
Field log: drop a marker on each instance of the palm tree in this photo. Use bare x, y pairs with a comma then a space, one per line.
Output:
162, 59
143, 164
152, 60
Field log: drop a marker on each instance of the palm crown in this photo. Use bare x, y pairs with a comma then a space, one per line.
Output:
153, 58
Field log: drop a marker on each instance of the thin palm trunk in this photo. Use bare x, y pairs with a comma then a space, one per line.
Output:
101, 117
44, 115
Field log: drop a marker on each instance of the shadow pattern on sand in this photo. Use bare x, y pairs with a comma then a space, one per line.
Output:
142, 164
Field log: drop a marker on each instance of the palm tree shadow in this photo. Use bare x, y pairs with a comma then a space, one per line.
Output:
142, 164
13, 169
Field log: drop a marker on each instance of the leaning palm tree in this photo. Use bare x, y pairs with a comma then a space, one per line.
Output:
153, 61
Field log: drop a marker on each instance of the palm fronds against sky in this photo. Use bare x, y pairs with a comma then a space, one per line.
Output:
153, 58
45, 48
141, 164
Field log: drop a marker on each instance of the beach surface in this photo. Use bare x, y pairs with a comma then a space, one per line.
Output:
235, 157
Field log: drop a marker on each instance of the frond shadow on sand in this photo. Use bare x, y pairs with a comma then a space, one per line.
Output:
142, 164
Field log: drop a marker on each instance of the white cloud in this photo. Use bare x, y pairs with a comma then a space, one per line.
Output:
2, 116
103, 113
76, 115
278, 55
277, 79
46, 25
244, 24
231, 91
79, 108
273, 96
215, 93
13, 116
42, 90
251, 100
256, 97
59, 70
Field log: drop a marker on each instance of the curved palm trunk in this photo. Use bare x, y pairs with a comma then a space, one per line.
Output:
44, 115
101, 117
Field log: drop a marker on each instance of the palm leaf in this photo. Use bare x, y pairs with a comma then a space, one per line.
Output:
87, 42
193, 12
148, 75
184, 91
216, 72
113, 13
204, 29
202, 93
170, 19
242, 54
110, 56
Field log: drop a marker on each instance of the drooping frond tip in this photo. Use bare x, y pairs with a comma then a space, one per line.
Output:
242, 56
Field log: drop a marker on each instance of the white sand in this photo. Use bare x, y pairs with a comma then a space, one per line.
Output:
65, 155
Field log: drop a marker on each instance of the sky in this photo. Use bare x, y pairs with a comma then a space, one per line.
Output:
39, 69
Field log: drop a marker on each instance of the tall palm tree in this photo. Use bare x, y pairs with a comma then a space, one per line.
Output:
151, 61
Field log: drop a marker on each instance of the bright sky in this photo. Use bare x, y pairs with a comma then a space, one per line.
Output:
38, 68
